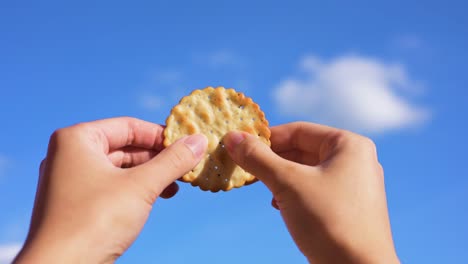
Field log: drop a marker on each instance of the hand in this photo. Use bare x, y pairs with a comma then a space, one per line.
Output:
329, 187
97, 186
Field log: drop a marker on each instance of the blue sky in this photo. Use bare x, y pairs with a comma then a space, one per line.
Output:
395, 71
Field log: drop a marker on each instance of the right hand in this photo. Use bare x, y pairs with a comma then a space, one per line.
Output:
329, 187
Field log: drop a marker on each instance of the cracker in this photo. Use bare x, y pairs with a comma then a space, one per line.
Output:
214, 112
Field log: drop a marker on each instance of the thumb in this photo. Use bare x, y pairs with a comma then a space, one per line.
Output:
171, 163
257, 158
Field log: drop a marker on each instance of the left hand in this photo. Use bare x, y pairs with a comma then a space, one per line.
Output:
97, 186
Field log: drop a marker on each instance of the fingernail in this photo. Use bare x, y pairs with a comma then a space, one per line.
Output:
233, 139
197, 144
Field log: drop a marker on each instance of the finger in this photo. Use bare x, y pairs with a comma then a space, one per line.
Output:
39, 204
171, 163
128, 157
301, 157
115, 133
257, 158
340, 147
274, 203
42, 167
299, 136
170, 191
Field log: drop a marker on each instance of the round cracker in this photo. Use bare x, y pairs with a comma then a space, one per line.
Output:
214, 112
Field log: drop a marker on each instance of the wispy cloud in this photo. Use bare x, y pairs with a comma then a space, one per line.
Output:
158, 87
162, 88
151, 102
220, 59
408, 42
8, 252
353, 92
166, 77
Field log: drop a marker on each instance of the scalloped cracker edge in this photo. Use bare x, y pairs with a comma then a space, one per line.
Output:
214, 112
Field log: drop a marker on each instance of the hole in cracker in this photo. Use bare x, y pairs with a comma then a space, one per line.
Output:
206, 178
227, 122
216, 167
253, 119
241, 106
219, 175
222, 145
241, 118
226, 180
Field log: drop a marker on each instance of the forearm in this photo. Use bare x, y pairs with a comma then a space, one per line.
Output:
61, 250
338, 255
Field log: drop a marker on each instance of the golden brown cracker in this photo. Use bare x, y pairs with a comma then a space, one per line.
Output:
214, 112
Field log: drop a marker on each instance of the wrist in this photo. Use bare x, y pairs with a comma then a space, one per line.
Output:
343, 259
49, 249
341, 255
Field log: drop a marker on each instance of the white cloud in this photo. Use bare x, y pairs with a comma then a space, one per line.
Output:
353, 92
8, 252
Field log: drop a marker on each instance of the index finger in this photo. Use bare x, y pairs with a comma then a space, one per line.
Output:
120, 132
303, 136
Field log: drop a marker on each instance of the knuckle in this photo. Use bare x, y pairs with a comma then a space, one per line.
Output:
127, 118
300, 124
177, 158
58, 136
333, 141
355, 140
376, 174
248, 151
287, 168
300, 128
71, 133
380, 169
367, 145
42, 166
340, 137
343, 139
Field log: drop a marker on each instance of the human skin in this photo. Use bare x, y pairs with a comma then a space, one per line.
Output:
99, 182
97, 187
329, 187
